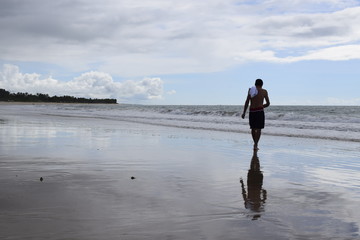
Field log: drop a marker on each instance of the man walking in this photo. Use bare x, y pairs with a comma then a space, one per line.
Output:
256, 96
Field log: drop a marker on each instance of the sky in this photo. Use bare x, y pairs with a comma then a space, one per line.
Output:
183, 52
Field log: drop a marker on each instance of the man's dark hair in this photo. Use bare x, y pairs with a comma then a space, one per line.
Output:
259, 82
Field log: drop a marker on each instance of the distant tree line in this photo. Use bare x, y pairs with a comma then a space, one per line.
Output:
40, 97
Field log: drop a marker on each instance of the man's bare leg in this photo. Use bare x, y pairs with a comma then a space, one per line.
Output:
256, 134
253, 134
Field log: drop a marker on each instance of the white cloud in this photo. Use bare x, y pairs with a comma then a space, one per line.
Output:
143, 38
171, 92
309, 6
342, 101
310, 30
91, 84
339, 53
152, 88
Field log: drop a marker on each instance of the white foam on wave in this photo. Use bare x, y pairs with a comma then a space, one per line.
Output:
218, 118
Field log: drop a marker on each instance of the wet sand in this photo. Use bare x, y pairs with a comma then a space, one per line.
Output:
187, 183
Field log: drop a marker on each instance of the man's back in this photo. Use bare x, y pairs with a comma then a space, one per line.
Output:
258, 100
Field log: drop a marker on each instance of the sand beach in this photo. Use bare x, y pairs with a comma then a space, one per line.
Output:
108, 178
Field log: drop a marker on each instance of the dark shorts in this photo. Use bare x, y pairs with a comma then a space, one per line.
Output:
257, 120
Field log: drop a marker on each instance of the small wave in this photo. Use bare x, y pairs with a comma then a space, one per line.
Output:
279, 122
287, 113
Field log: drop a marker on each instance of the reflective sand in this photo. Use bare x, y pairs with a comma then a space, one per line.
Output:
187, 183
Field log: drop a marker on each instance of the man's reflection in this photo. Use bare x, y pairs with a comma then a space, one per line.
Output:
255, 197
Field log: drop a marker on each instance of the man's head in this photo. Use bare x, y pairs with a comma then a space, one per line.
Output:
259, 83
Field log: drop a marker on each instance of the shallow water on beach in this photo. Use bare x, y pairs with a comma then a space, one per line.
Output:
187, 183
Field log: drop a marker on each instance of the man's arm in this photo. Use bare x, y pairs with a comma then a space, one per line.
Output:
246, 106
267, 100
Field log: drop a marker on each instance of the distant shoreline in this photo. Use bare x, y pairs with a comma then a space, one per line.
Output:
6, 96
49, 103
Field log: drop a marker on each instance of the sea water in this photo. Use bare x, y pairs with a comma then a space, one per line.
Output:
321, 122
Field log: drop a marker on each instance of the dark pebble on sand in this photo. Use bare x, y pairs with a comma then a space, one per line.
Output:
132, 178
41, 179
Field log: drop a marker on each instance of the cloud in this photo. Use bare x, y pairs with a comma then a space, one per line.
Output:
90, 84
142, 38
339, 53
341, 101
307, 6
306, 30
171, 92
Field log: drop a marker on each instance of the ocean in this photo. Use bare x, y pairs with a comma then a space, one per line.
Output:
320, 122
